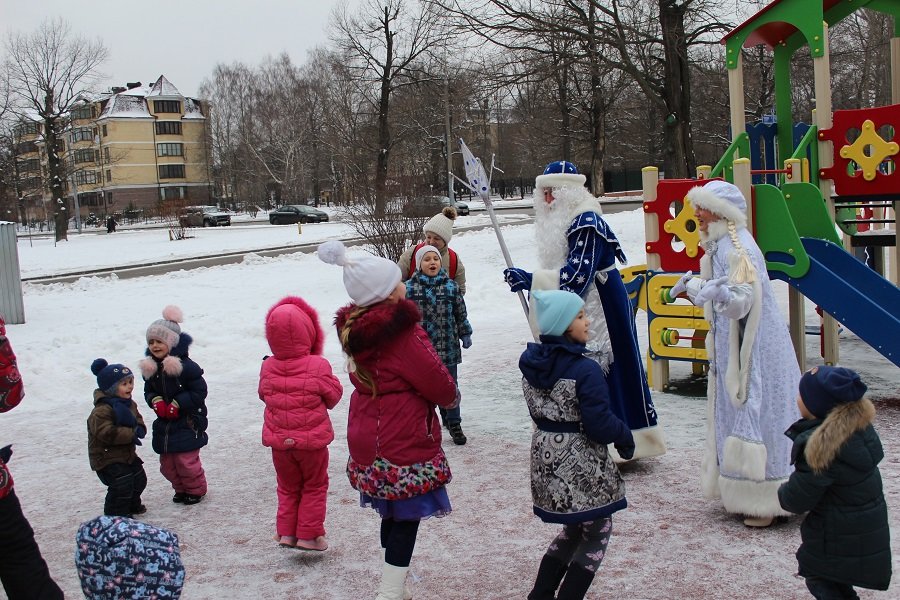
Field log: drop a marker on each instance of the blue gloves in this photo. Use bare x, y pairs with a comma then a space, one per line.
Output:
466, 341
136, 440
625, 452
140, 431
517, 279
715, 290
681, 285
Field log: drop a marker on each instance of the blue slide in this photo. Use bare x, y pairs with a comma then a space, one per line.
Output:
852, 293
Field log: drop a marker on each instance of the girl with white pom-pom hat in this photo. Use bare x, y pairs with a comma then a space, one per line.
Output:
393, 433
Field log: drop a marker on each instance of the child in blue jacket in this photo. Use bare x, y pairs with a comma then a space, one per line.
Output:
574, 480
176, 391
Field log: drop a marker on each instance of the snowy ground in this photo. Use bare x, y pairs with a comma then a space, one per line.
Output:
670, 543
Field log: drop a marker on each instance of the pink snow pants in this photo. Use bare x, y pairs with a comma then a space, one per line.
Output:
302, 477
184, 471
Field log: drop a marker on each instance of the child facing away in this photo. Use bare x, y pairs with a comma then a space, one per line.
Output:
299, 388
115, 429
845, 535
445, 321
393, 434
176, 391
574, 480
117, 558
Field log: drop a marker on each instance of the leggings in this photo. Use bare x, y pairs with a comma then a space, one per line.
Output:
582, 543
398, 538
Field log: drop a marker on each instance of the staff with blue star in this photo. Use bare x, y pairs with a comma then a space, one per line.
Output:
577, 252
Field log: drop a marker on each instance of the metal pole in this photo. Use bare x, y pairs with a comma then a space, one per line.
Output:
447, 137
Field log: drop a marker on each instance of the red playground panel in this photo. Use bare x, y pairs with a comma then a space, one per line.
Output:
669, 191
873, 152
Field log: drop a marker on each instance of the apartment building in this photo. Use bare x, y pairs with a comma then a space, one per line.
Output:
135, 148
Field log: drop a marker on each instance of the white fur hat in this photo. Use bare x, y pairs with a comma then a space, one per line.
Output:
442, 224
722, 198
368, 279
558, 174
421, 252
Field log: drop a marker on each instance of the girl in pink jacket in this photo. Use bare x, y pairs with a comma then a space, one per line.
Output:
299, 388
393, 431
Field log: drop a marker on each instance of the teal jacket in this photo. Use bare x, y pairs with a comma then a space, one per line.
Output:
845, 535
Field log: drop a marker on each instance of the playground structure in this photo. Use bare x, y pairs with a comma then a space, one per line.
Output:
840, 174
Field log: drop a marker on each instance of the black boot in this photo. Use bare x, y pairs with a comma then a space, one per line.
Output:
456, 432
550, 573
576, 584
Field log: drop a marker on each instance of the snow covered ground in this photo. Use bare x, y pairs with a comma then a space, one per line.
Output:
670, 543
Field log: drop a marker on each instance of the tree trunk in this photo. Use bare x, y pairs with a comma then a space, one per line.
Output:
598, 111
679, 159
56, 173
384, 131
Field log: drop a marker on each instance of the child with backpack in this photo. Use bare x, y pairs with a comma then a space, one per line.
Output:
438, 230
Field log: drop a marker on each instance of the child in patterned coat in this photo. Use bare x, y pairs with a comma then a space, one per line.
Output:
444, 319
574, 480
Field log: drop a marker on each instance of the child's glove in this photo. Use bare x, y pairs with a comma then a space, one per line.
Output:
625, 452
172, 410
6, 453
466, 341
715, 290
517, 279
681, 285
140, 431
159, 406
136, 440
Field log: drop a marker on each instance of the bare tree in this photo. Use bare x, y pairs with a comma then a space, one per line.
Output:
48, 69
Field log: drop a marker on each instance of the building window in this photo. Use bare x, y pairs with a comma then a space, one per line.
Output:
81, 113
170, 149
106, 152
85, 155
171, 171
105, 132
168, 128
81, 134
31, 183
166, 106
32, 165
86, 177
172, 193
109, 179
29, 128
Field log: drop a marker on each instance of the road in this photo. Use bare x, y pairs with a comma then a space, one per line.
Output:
161, 267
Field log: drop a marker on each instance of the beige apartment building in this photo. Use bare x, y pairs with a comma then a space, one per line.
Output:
136, 148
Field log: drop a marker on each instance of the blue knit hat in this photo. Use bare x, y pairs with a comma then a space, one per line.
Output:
118, 557
823, 388
555, 310
560, 173
109, 376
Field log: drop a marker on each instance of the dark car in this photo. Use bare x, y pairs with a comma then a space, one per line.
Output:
427, 206
204, 216
297, 213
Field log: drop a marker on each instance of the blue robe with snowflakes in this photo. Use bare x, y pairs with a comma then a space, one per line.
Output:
590, 271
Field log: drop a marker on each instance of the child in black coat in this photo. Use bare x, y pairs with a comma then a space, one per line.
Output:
845, 535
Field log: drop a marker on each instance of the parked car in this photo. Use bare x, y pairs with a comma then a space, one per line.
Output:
204, 216
428, 206
297, 213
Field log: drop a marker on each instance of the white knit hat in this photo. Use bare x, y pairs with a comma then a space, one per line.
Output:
421, 252
368, 279
722, 198
167, 329
442, 224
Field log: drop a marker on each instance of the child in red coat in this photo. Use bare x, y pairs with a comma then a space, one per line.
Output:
393, 431
299, 389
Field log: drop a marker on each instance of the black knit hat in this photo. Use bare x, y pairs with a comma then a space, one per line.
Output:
109, 376
823, 388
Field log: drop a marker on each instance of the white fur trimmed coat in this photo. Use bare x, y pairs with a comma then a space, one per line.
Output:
752, 387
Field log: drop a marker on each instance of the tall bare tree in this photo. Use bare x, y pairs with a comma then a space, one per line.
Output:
48, 69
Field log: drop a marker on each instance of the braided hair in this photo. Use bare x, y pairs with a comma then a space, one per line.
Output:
362, 374
744, 271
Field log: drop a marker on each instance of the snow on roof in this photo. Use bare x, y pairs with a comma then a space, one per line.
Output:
126, 105
163, 87
192, 109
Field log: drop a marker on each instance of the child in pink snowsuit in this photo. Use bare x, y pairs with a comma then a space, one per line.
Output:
298, 387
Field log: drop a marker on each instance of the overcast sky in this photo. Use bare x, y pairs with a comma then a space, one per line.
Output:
181, 40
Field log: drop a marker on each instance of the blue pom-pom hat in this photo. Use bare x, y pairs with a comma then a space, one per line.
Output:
560, 173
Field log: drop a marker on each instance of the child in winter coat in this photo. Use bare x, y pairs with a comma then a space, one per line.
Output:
176, 391
845, 535
437, 230
299, 389
115, 429
444, 320
574, 480
119, 558
23, 571
393, 434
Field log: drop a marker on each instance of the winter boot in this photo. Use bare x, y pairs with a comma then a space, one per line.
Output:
393, 579
407, 593
576, 583
550, 573
456, 432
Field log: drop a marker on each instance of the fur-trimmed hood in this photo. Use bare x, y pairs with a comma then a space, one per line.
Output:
721, 198
378, 326
293, 329
171, 363
827, 441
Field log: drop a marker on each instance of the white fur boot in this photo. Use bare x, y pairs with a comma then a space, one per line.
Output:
407, 593
393, 581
